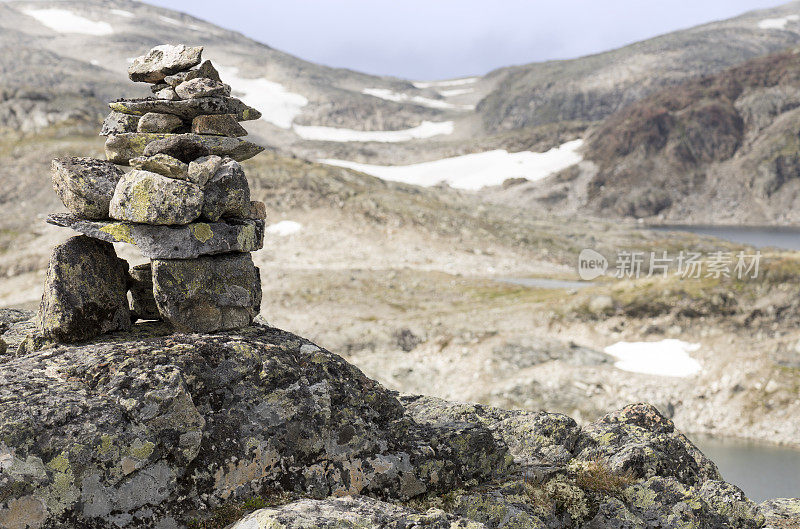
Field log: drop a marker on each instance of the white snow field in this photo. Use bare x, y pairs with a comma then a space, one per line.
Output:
276, 104
284, 228
389, 95
65, 21
666, 358
170, 21
450, 82
122, 13
474, 171
777, 23
456, 92
427, 129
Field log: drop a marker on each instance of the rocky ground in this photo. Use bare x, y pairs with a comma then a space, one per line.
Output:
153, 429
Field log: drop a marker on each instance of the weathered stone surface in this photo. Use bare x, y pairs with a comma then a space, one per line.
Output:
200, 87
258, 210
781, 513
227, 193
206, 69
163, 164
218, 124
85, 292
173, 242
155, 88
141, 287
188, 109
162, 61
117, 123
120, 148
207, 294
352, 513
202, 169
157, 122
167, 94
85, 185
180, 146
149, 198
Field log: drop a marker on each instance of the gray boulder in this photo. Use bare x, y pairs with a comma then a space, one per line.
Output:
200, 87
85, 185
219, 125
141, 288
207, 294
149, 198
85, 291
163, 164
162, 61
206, 69
183, 147
188, 109
202, 169
117, 123
167, 94
157, 122
173, 242
227, 193
121, 148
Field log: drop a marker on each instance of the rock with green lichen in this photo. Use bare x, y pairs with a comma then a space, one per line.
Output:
219, 125
162, 61
351, 513
85, 185
207, 294
227, 193
143, 304
781, 513
157, 122
162, 164
118, 123
173, 242
188, 109
149, 198
85, 291
120, 148
202, 169
183, 147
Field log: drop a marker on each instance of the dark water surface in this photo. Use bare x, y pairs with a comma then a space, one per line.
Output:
762, 471
756, 236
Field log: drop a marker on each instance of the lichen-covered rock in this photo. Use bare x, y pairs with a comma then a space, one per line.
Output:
118, 123
173, 242
149, 198
155, 430
206, 69
85, 291
180, 146
639, 440
85, 185
202, 169
207, 294
200, 87
162, 164
227, 193
141, 287
258, 210
781, 513
188, 109
219, 125
162, 61
351, 513
121, 148
157, 122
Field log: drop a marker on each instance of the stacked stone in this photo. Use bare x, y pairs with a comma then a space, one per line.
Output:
185, 205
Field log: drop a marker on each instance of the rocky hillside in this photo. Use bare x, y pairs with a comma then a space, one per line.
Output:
153, 429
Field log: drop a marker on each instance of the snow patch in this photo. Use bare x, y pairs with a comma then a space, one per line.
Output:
777, 23
284, 228
170, 21
276, 104
398, 97
123, 13
426, 129
456, 92
667, 358
474, 171
65, 21
451, 82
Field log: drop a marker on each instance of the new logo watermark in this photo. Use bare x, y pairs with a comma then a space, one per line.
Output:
686, 264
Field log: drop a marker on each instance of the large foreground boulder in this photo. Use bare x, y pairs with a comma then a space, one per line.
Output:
85, 291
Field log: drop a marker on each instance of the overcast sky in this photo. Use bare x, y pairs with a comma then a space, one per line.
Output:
434, 39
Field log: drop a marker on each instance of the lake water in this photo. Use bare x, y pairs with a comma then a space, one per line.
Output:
762, 471
756, 236
543, 282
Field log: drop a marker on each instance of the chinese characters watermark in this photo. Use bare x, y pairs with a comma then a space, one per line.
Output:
685, 264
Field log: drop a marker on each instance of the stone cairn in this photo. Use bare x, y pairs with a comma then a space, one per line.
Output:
185, 205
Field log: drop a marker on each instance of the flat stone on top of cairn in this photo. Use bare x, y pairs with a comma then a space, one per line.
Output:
186, 205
